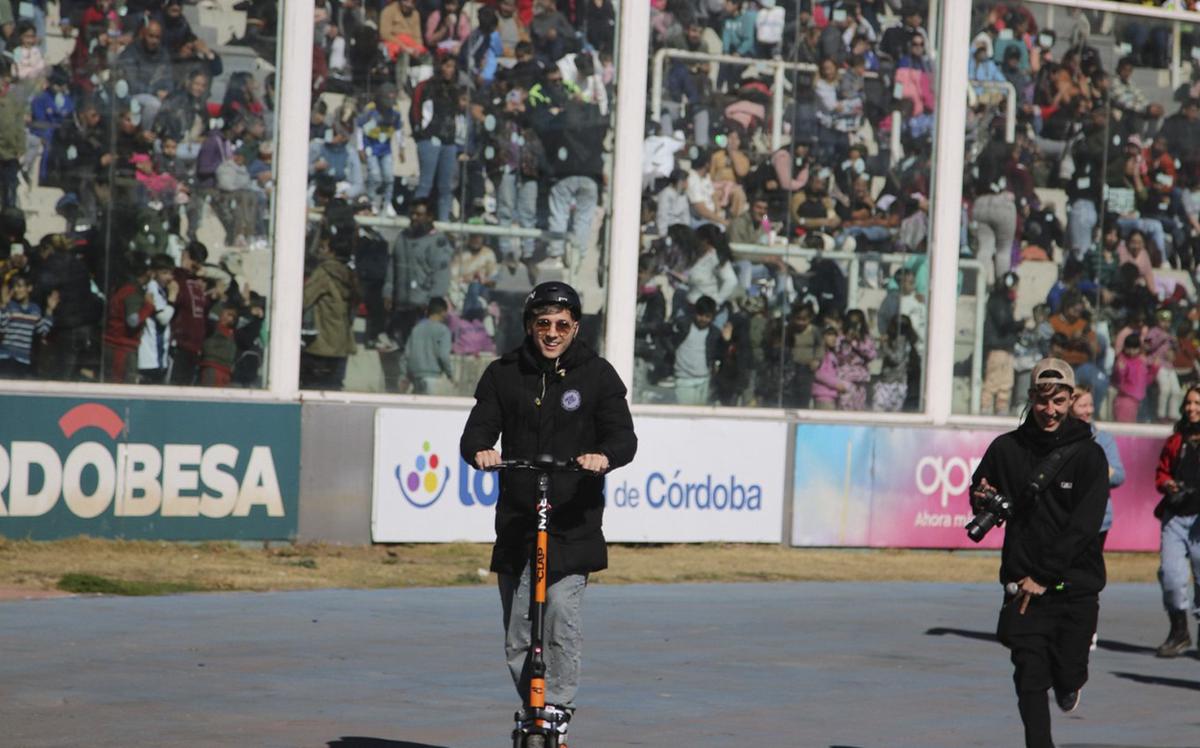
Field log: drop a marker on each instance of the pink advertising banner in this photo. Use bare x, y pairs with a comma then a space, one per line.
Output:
907, 488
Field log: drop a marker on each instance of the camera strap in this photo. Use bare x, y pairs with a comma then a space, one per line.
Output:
1051, 465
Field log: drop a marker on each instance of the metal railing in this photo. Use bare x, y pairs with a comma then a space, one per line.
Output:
1010, 104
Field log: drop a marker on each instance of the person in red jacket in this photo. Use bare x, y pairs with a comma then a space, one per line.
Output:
1178, 478
189, 326
128, 308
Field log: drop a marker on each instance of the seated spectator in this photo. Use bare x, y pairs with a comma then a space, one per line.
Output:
672, 205
1130, 101
711, 272
813, 210
728, 167
145, 67
446, 28
701, 192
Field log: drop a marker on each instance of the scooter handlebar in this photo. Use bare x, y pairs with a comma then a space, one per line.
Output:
541, 464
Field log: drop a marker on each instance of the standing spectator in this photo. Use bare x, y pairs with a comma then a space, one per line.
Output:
807, 353
332, 294
578, 166
523, 162
73, 340
236, 188
189, 325
696, 342
994, 213
1132, 375
154, 343
737, 38
711, 272
434, 108
904, 300
1083, 408
768, 29
896, 348
13, 110
1079, 344
128, 308
855, 352
1000, 331
827, 387
427, 352
599, 25
22, 324
1177, 478
418, 271
1161, 349
381, 129
219, 350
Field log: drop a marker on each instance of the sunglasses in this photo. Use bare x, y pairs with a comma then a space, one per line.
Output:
561, 325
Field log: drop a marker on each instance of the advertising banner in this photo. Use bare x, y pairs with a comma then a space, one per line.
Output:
700, 480
149, 469
908, 488
729, 487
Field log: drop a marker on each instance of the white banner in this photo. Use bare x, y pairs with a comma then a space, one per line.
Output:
727, 486
700, 480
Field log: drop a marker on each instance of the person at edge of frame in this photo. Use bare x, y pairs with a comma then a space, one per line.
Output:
551, 395
1052, 562
1177, 476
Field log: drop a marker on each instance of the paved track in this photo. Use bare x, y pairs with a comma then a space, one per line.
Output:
702, 666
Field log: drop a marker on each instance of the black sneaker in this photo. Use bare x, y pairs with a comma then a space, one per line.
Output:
1067, 700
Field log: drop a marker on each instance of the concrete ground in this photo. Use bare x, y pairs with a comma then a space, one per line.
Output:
824, 665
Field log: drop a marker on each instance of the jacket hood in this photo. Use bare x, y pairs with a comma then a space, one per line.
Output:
1070, 431
339, 272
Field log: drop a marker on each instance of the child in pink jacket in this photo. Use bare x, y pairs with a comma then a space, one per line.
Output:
826, 385
1132, 374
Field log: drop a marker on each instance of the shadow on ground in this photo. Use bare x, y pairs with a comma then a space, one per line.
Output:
360, 742
983, 636
1158, 680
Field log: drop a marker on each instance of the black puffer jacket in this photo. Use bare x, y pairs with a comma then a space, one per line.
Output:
536, 408
1053, 537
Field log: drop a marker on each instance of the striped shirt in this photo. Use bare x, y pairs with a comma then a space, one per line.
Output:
18, 325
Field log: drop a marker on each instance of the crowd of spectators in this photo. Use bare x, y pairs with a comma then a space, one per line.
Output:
766, 228
503, 109
116, 125
1098, 190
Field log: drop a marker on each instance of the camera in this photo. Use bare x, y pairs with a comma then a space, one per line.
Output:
1178, 497
994, 509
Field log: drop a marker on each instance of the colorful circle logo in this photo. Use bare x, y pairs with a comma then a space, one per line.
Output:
422, 485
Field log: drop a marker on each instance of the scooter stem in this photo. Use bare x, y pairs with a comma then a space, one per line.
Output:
537, 680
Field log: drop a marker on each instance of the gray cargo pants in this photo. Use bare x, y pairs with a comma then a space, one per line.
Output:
563, 635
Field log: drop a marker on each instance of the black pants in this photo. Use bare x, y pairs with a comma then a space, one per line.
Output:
1049, 646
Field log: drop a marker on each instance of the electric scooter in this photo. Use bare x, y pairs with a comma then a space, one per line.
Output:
540, 726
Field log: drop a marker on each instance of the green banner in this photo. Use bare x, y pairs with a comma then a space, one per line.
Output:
151, 469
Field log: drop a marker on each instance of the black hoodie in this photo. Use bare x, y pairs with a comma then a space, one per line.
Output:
564, 408
1053, 537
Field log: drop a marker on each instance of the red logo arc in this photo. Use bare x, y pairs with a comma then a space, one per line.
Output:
91, 415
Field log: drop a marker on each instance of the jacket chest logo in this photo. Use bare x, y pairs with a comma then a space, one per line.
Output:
571, 400
1066, 485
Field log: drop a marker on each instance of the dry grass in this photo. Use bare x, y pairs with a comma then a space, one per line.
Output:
30, 566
